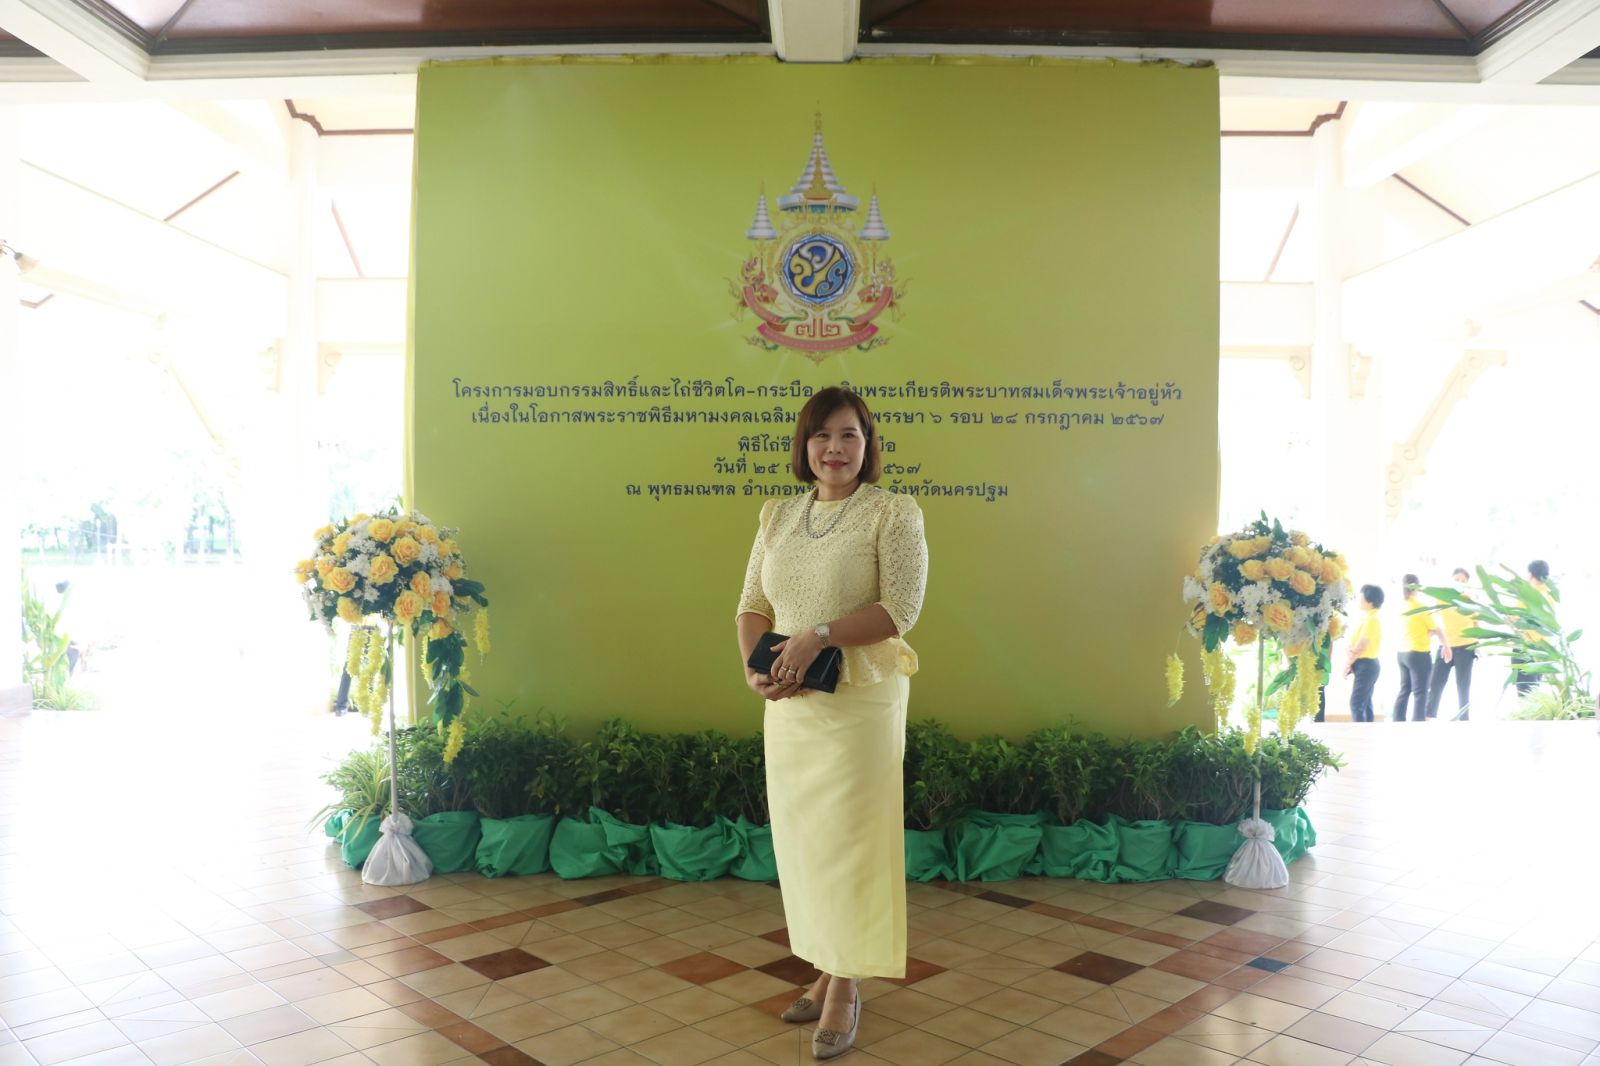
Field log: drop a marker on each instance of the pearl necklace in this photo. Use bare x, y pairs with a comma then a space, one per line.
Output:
806, 516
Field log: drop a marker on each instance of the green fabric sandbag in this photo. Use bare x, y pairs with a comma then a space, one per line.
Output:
449, 839
928, 855
335, 823
1083, 850
1204, 849
358, 837
1285, 832
578, 849
1144, 849
517, 846
1308, 832
996, 847
638, 854
756, 861
694, 853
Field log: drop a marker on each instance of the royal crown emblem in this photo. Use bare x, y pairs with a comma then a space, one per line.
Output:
818, 281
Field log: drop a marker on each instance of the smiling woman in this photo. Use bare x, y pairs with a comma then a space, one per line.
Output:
844, 566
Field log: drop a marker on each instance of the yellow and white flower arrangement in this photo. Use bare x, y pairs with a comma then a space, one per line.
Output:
399, 570
1267, 584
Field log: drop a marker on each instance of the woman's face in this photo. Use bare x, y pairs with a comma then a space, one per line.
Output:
836, 451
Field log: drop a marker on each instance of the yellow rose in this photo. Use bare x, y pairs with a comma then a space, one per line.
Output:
1279, 568
323, 564
350, 610
449, 547
380, 529
427, 534
440, 630
383, 570
339, 579
408, 607
1303, 583
1244, 633
1299, 538
454, 572
1278, 616
341, 543
1253, 570
303, 570
405, 551
404, 526
358, 518
322, 534
1219, 598
421, 584
441, 603
1335, 626
1242, 549
1328, 570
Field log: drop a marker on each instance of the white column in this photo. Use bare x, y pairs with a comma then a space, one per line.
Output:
11, 452
284, 491
1345, 388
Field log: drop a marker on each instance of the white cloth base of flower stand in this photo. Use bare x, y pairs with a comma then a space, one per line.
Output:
396, 859
1257, 863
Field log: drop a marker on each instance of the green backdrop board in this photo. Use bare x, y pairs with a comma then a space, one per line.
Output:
610, 342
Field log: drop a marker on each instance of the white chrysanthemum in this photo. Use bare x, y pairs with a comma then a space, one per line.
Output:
1207, 569
430, 553
421, 519
360, 565
442, 584
1254, 597
369, 593
1193, 591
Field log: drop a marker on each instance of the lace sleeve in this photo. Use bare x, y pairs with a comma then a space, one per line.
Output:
753, 600
902, 563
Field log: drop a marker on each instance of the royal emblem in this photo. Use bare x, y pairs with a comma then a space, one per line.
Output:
819, 280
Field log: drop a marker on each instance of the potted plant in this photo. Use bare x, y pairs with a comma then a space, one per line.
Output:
1068, 767
445, 826
1139, 808
362, 779
937, 789
1212, 780
1289, 767
694, 841
999, 838
499, 761
628, 770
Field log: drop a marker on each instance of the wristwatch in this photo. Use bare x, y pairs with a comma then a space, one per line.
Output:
825, 635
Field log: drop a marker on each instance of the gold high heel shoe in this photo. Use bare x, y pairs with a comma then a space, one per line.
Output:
828, 1044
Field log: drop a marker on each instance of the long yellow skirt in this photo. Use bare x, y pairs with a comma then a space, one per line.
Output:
838, 825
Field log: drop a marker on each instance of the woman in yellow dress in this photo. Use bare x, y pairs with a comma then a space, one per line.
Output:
842, 566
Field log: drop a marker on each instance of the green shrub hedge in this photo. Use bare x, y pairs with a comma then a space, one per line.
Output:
971, 807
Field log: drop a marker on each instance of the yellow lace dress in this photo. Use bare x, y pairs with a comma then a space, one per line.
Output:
834, 783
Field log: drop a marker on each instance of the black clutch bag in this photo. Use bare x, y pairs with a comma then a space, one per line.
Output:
823, 675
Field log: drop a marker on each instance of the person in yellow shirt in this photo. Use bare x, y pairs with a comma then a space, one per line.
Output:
1416, 668
1362, 662
1457, 653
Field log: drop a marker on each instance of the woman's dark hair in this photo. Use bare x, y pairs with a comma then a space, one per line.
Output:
1540, 570
1373, 595
1411, 583
1463, 571
815, 413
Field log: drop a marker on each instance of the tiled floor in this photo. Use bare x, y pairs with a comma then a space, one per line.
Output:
161, 902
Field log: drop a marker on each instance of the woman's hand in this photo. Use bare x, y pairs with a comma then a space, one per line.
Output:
768, 689
795, 656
